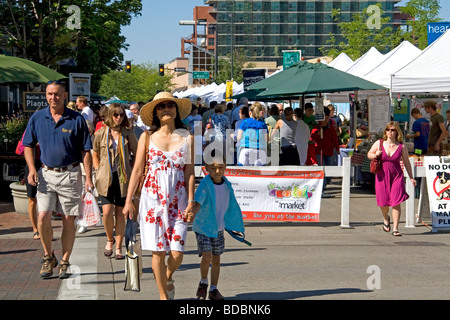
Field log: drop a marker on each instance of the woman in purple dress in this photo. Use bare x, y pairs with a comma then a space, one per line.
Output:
389, 181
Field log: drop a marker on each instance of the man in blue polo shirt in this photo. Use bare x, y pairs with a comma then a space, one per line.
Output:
64, 141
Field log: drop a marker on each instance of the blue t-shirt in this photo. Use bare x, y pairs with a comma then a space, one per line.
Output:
61, 143
422, 126
252, 137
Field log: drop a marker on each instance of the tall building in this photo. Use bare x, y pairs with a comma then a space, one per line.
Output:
263, 29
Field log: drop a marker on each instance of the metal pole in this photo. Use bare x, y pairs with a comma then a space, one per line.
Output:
232, 36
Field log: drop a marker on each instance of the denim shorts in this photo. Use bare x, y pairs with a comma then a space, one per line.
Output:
59, 191
207, 244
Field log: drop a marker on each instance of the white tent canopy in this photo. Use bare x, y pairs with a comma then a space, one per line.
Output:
210, 92
428, 73
342, 62
367, 62
394, 60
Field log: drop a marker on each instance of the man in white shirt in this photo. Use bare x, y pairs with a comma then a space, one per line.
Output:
86, 112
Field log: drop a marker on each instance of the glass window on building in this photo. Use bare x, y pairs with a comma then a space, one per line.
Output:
257, 17
275, 17
239, 6
274, 40
257, 6
292, 17
328, 6
292, 6
275, 6
275, 29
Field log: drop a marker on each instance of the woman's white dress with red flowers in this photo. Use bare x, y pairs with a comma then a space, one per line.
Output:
163, 200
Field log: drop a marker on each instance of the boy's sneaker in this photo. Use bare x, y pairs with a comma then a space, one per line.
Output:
201, 291
215, 295
64, 270
48, 265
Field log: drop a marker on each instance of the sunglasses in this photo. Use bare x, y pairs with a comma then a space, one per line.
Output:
162, 106
391, 130
55, 82
117, 115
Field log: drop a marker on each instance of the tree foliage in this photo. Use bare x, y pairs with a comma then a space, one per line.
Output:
37, 30
422, 12
224, 69
141, 84
359, 38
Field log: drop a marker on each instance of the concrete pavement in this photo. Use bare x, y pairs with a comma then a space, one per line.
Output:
287, 260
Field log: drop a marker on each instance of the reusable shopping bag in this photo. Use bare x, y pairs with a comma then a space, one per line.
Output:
133, 262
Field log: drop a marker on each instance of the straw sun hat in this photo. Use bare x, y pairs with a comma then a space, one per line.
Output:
184, 107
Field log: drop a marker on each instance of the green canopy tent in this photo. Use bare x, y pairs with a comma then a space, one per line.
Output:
310, 78
14, 69
18, 70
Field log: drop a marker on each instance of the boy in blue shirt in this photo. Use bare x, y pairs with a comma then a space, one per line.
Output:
215, 210
421, 129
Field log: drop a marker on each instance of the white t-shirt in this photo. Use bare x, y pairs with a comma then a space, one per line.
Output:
302, 134
222, 199
88, 114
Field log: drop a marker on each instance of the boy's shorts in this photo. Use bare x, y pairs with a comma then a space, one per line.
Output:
207, 244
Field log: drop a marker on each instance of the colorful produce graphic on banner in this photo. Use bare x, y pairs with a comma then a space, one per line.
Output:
277, 196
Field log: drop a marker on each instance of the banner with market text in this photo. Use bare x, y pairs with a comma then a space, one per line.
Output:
438, 185
278, 195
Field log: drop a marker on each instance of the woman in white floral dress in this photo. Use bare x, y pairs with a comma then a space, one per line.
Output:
168, 186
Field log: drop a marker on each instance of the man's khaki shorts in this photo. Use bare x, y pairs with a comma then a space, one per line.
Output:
59, 191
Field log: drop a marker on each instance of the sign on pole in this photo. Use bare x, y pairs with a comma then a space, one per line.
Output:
291, 57
33, 101
229, 90
200, 75
435, 30
438, 183
79, 85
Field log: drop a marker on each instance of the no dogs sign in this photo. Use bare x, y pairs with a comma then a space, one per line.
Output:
438, 184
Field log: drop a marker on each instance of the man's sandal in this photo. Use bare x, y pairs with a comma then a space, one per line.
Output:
396, 233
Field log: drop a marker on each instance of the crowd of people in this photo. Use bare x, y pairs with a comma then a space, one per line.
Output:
139, 161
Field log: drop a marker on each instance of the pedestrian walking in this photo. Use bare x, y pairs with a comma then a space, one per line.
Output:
114, 146
252, 138
31, 190
168, 187
216, 210
64, 141
288, 126
389, 180
437, 128
86, 111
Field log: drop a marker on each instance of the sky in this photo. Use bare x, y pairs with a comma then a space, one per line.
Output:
155, 36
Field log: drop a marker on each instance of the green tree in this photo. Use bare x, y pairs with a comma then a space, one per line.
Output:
422, 12
239, 62
141, 84
42, 31
359, 38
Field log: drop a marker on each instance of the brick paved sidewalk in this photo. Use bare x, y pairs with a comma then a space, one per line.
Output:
20, 259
